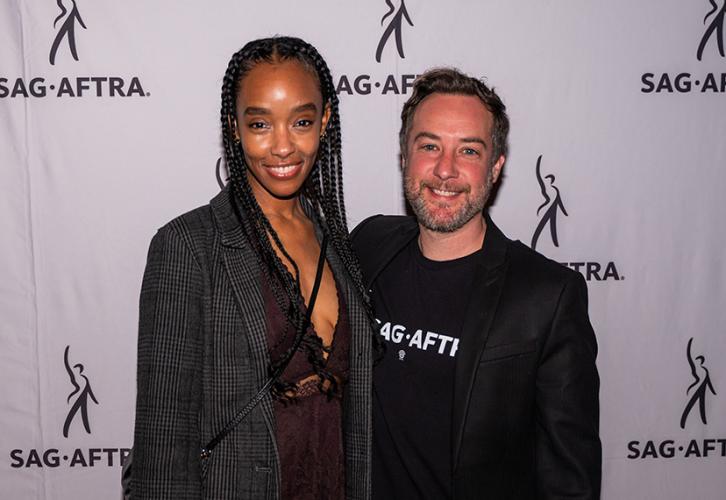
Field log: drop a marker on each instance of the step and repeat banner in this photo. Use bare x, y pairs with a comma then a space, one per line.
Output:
617, 170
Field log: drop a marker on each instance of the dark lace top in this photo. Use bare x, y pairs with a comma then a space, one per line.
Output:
309, 424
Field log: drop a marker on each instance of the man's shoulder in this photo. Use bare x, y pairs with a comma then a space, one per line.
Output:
537, 268
378, 238
379, 228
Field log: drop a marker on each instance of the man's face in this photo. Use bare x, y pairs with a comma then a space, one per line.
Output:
448, 168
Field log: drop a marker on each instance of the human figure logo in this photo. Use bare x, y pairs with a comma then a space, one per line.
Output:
81, 392
67, 30
698, 389
395, 26
551, 205
714, 22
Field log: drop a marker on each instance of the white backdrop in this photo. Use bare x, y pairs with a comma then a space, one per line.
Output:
97, 153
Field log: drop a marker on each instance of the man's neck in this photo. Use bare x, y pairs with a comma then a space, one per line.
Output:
449, 246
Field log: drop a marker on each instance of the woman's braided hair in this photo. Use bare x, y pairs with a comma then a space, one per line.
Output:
323, 190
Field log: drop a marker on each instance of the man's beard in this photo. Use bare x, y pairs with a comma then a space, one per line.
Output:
473, 205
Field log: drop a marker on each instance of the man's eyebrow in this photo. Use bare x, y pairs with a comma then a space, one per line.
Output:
254, 110
432, 136
478, 140
426, 135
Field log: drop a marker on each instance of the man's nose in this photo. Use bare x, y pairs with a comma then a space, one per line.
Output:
446, 166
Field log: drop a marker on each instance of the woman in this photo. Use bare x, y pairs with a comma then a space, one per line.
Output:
224, 299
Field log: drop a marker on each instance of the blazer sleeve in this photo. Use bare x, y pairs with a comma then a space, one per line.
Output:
568, 446
166, 436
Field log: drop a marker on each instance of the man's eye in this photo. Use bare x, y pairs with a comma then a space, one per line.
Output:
470, 151
303, 123
428, 147
257, 125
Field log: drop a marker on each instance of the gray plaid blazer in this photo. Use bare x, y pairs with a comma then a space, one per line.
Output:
202, 354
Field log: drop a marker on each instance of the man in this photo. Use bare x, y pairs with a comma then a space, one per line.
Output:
488, 387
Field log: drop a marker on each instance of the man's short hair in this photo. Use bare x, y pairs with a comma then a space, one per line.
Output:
453, 81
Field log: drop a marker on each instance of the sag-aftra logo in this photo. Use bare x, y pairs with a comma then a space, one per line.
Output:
70, 26
549, 213
709, 46
81, 400
394, 22
697, 398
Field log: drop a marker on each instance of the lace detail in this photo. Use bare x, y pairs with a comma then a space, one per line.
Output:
309, 431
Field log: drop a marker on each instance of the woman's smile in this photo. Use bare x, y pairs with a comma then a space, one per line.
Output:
280, 117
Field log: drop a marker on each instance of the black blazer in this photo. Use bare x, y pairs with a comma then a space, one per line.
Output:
526, 413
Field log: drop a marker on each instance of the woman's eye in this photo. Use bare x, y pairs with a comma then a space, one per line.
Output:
257, 125
303, 123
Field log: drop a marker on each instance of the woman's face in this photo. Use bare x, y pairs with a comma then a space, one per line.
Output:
280, 117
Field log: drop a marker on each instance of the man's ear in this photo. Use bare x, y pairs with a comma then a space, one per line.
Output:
497, 168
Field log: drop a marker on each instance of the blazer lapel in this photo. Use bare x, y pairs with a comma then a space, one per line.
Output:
486, 290
244, 272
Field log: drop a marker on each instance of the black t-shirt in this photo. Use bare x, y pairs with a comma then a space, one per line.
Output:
420, 305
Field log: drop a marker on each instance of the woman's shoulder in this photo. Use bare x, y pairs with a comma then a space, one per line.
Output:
192, 232
203, 220
190, 225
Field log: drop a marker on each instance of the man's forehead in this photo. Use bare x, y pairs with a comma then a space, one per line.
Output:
452, 111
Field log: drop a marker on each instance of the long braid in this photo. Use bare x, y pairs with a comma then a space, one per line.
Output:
332, 198
323, 189
255, 224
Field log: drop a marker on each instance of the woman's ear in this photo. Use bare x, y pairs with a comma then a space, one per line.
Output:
232, 122
324, 121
